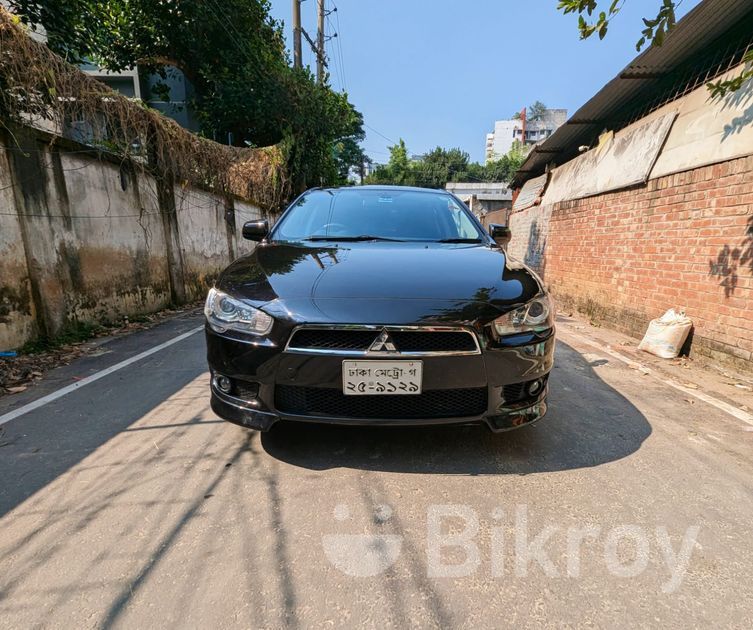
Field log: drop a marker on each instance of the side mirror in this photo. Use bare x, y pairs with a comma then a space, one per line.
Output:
500, 233
255, 230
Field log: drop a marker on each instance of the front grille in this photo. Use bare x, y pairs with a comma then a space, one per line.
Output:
439, 403
416, 341
333, 339
405, 341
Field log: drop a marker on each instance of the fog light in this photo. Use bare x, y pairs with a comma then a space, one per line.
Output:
223, 383
534, 387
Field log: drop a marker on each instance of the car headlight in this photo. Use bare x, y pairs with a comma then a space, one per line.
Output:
534, 316
225, 313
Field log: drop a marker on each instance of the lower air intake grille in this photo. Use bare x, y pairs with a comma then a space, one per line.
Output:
518, 393
440, 403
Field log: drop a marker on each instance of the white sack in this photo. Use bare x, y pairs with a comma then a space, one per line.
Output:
665, 335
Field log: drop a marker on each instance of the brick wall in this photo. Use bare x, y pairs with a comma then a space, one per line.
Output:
623, 258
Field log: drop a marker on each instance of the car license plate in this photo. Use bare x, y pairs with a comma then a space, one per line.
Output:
379, 378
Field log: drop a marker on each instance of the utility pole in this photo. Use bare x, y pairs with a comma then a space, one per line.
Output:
297, 56
317, 46
320, 54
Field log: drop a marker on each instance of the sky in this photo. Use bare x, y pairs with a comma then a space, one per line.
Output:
440, 72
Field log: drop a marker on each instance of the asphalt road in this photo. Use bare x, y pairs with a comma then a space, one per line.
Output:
128, 503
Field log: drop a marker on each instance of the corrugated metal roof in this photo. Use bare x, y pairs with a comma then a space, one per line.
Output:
713, 36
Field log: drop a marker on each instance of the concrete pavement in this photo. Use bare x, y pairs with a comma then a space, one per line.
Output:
127, 503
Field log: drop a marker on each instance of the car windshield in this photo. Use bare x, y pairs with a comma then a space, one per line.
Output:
368, 214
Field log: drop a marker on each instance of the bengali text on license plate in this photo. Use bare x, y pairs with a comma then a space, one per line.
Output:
382, 377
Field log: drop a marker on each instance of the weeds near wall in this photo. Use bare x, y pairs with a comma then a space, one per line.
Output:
40, 89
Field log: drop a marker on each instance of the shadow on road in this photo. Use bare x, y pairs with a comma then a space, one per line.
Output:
39, 447
148, 489
589, 423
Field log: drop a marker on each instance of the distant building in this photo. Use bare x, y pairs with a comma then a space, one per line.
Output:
507, 132
126, 82
484, 198
178, 107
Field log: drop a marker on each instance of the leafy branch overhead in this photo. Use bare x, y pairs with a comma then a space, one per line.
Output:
593, 20
655, 28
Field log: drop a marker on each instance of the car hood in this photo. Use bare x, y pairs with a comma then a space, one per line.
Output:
381, 282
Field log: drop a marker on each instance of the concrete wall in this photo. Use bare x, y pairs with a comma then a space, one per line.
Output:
500, 216
84, 239
16, 305
683, 240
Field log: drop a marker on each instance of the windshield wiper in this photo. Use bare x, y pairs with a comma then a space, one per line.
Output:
459, 240
351, 239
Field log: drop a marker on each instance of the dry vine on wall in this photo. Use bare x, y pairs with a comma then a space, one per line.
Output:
40, 89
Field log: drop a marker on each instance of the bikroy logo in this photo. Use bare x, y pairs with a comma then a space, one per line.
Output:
453, 546
362, 555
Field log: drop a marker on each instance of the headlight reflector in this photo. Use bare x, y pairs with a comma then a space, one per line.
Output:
225, 313
534, 316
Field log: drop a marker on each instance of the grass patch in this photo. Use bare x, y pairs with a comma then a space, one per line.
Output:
75, 333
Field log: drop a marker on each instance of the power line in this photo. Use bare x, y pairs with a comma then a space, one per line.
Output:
379, 133
336, 57
339, 46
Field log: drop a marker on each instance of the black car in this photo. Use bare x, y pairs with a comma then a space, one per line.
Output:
379, 305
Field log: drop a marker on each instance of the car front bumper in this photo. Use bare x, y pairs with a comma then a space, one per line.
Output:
261, 371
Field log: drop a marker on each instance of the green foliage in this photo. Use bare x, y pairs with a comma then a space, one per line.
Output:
232, 52
536, 111
348, 156
654, 32
320, 120
69, 33
440, 166
721, 88
75, 332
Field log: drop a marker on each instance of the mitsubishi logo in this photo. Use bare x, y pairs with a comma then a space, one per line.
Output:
383, 343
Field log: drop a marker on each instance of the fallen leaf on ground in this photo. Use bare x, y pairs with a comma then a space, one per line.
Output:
18, 389
741, 386
690, 385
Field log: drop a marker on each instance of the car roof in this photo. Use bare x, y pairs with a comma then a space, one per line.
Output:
385, 187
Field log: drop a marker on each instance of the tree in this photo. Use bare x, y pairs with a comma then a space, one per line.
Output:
399, 157
654, 32
232, 52
439, 166
348, 156
396, 171
537, 111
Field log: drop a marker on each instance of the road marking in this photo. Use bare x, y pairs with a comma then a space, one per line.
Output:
40, 402
714, 402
